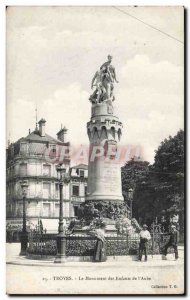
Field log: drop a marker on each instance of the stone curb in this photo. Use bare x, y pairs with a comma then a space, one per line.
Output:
152, 262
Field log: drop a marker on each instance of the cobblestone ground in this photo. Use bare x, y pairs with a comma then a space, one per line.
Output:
111, 277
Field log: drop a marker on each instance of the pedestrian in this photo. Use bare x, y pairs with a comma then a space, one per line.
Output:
143, 245
100, 249
174, 237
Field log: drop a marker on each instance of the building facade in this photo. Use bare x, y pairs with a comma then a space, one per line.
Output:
78, 186
34, 159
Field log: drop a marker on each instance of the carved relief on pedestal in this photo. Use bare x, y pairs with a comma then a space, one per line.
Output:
101, 131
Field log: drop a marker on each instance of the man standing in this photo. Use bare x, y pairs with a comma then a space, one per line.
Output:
144, 238
109, 77
174, 236
109, 68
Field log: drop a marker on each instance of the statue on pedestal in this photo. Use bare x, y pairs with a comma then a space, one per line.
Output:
104, 80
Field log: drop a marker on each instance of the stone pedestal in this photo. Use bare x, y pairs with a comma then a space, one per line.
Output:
104, 171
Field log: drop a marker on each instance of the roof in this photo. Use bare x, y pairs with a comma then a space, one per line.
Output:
36, 137
80, 166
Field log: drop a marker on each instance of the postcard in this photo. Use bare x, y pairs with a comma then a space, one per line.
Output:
95, 150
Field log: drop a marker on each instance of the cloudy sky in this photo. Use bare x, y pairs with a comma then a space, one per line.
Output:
53, 53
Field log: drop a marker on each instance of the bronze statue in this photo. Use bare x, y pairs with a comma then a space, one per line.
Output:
104, 80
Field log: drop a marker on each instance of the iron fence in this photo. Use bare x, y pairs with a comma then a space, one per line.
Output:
84, 245
41, 243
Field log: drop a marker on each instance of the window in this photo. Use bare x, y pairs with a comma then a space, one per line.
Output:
23, 169
32, 209
57, 190
85, 190
19, 209
46, 209
23, 147
56, 210
59, 174
46, 170
46, 190
52, 151
75, 190
81, 173
76, 211
53, 148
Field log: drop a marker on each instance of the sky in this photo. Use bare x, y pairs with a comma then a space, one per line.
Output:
53, 53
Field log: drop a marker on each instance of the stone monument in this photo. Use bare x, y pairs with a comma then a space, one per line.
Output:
104, 131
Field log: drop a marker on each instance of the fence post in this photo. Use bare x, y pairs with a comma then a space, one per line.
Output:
153, 240
61, 248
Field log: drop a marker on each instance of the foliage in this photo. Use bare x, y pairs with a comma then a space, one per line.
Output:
169, 168
136, 225
76, 247
123, 226
127, 226
158, 188
135, 175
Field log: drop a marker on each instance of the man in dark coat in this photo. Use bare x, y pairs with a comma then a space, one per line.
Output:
174, 236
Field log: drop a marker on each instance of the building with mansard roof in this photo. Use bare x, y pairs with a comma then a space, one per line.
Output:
34, 159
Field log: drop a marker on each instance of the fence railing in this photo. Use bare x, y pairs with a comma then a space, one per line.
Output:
84, 245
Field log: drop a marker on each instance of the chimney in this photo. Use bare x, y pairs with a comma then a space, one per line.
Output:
62, 134
42, 123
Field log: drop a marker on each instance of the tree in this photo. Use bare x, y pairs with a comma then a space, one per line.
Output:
158, 188
135, 175
169, 174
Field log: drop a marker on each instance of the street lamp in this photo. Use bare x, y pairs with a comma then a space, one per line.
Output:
64, 178
130, 198
24, 235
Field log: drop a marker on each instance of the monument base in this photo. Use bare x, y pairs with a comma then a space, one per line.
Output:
108, 209
107, 198
110, 228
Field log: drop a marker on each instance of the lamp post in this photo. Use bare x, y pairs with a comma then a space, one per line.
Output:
64, 178
24, 235
130, 198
